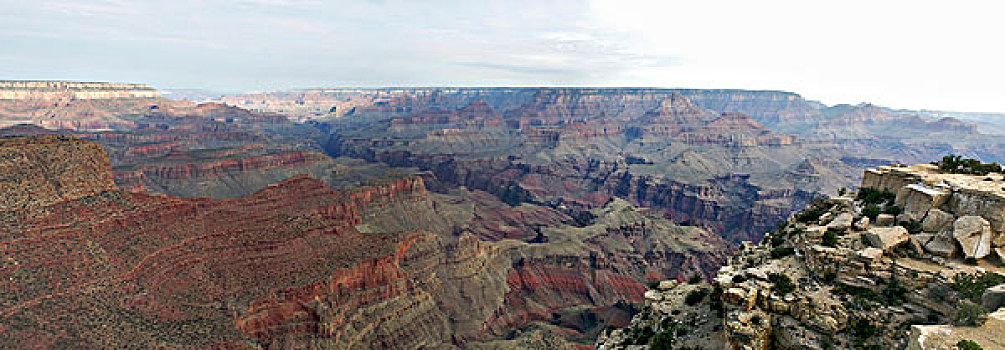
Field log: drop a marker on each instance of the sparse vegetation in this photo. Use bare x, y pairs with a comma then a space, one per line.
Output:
873, 196
893, 210
782, 283
871, 211
958, 165
893, 293
972, 286
695, 296
812, 213
969, 314
862, 330
968, 345
830, 238
781, 252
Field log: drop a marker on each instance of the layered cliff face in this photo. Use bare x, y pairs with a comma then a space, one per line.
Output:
909, 263
66, 90
583, 147
184, 149
298, 264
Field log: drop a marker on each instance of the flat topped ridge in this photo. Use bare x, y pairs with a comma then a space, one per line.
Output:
70, 85
20, 141
930, 175
70, 90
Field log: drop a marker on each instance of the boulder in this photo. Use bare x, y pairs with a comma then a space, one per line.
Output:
974, 235
884, 220
862, 224
871, 254
667, 285
824, 219
936, 221
942, 244
917, 198
994, 298
842, 222
886, 238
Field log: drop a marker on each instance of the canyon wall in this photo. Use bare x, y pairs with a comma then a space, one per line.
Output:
66, 90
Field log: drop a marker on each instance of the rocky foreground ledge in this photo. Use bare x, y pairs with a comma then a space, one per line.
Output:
913, 260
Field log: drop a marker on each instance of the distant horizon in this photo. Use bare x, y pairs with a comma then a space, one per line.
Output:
907, 54
238, 92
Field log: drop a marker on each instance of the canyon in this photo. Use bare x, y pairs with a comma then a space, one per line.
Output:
300, 264
484, 218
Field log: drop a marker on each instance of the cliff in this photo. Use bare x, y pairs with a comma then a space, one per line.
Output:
67, 90
912, 254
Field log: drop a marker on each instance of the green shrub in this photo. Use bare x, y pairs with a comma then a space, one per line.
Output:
968, 345
695, 279
781, 252
830, 238
893, 210
862, 329
739, 278
695, 296
812, 213
958, 165
873, 196
777, 240
969, 314
654, 284
783, 284
972, 286
858, 292
871, 211
893, 293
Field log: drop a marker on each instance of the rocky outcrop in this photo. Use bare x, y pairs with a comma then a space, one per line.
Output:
811, 285
957, 210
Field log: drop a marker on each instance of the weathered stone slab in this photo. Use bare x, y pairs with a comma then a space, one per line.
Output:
916, 199
886, 238
937, 220
884, 220
841, 222
974, 235
994, 298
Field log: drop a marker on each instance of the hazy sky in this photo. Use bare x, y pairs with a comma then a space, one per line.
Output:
905, 54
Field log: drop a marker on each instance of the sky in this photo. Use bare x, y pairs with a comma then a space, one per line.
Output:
943, 55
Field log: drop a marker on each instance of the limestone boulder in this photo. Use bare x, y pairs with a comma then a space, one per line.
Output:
941, 244
994, 298
937, 220
884, 220
974, 235
842, 221
886, 238
916, 199
862, 224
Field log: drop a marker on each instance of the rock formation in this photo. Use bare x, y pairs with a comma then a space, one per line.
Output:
299, 264
820, 282
66, 90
